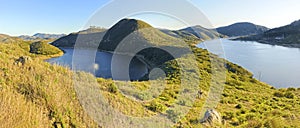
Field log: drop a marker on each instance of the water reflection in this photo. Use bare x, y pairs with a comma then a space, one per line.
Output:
275, 65
101, 65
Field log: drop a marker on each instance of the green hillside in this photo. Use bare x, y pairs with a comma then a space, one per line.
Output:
37, 94
43, 48
8, 39
245, 102
129, 31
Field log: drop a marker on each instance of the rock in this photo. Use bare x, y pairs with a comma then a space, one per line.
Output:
211, 117
23, 60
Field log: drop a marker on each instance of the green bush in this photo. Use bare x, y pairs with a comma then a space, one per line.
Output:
289, 95
291, 89
156, 107
43, 48
278, 94
112, 88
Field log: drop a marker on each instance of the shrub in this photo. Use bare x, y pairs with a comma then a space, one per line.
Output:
278, 94
112, 88
289, 95
291, 89
239, 106
155, 107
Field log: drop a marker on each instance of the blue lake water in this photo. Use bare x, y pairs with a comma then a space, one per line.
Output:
100, 64
276, 65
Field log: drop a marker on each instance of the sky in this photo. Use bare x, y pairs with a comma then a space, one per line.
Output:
27, 17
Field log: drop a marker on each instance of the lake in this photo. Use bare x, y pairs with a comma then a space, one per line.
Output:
100, 64
276, 65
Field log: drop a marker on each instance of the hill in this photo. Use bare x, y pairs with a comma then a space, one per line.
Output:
89, 37
48, 36
92, 29
194, 33
288, 35
43, 48
242, 29
202, 33
136, 37
35, 93
135, 31
8, 39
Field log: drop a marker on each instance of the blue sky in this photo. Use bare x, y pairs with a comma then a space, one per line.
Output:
20, 17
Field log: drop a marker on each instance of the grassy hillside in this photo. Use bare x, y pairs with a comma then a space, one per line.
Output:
43, 48
246, 102
8, 39
135, 33
36, 94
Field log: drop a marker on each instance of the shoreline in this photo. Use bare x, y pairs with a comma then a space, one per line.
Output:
287, 83
46, 57
270, 42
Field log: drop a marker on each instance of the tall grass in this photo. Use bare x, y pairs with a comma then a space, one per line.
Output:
37, 94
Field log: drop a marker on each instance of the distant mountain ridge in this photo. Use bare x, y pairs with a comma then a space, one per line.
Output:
38, 36
195, 32
203, 33
8, 39
90, 36
242, 29
288, 35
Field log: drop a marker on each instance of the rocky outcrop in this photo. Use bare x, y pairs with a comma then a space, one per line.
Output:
211, 118
23, 60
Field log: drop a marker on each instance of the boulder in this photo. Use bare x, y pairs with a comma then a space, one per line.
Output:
211, 118
23, 60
